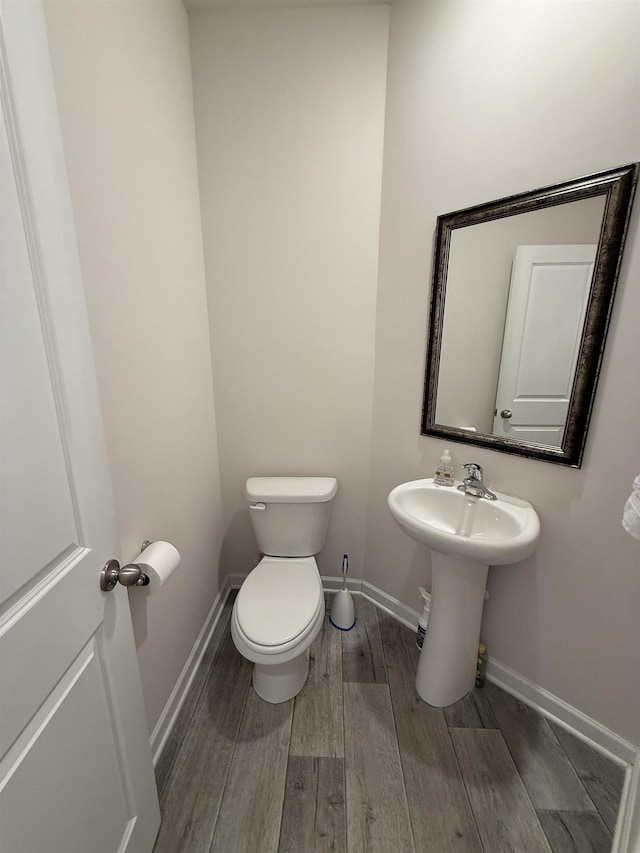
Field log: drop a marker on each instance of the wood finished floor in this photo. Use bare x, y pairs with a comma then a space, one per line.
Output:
357, 762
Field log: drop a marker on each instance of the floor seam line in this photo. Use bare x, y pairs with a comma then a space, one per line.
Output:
397, 741
466, 790
226, 778
526, 790
286, 774
576, 771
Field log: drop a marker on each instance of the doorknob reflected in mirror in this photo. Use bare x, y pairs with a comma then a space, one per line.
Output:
506, 413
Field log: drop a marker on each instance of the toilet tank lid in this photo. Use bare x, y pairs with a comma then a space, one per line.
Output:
291, 489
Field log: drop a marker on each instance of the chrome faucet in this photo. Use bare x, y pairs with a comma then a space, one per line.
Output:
473, 483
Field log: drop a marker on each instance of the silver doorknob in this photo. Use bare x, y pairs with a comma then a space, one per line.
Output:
506, 413
129, 575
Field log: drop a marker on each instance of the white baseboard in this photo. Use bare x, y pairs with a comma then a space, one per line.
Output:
407, 615
170, 712
627, 835
383, 600
549, 705
333, 584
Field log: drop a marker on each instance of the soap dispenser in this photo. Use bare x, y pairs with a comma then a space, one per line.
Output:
444, 470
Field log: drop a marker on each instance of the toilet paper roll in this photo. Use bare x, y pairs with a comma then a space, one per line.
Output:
158, 561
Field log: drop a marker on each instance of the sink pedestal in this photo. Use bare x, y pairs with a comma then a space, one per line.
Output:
447, 667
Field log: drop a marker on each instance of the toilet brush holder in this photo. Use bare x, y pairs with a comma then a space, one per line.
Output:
343, 612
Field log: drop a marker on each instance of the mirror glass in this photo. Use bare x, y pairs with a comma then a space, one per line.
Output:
521, 298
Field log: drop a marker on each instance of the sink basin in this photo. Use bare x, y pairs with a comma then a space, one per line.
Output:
491, 532
467, 535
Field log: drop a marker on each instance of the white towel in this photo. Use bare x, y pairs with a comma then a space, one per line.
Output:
631, 514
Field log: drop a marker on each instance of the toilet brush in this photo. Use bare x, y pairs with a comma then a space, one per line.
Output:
343, 613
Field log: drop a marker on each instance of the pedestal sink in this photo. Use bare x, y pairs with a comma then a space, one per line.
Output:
466, 535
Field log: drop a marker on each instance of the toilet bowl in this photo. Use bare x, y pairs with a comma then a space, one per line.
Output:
280, 608
278, 613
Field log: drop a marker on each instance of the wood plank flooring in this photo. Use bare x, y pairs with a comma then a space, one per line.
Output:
503, 811
357, 762
313, 815
377, 810
251, 809
317, 718
550, 778
440, 811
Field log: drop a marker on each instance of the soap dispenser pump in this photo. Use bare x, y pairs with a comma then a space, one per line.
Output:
444, 470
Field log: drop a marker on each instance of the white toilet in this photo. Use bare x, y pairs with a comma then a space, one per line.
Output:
280, 607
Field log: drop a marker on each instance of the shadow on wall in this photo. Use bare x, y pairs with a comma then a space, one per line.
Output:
239, 550
138, 605
419, 565
508, 586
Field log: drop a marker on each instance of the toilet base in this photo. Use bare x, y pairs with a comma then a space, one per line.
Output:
280, 682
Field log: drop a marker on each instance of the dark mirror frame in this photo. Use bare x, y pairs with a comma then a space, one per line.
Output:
618, 187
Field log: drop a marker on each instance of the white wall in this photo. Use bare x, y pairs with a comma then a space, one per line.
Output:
289, 116
486, 100
123, 82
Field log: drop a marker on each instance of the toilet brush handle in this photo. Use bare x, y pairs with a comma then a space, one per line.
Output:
345, 569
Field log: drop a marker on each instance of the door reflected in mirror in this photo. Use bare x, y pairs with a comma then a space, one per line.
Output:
521, 298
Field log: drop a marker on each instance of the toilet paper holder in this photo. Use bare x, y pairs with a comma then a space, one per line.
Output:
132, 574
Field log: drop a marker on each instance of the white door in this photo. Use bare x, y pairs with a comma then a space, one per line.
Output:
75, 767
547, 303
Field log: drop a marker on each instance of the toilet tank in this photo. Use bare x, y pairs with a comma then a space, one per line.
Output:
290, 515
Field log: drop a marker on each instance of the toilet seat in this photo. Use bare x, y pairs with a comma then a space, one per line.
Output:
278, 601
279, 609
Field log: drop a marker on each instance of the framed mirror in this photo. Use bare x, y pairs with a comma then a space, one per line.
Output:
522, 294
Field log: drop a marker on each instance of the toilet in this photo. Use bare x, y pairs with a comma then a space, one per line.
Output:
280, 607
